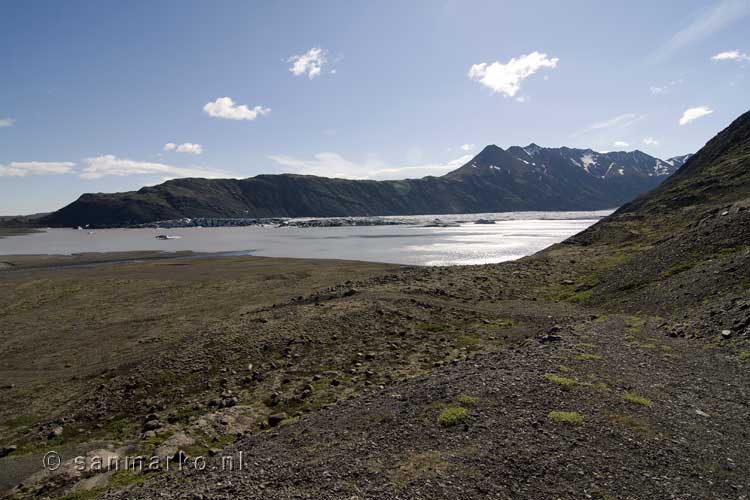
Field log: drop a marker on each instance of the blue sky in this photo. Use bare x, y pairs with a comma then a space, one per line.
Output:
104, 96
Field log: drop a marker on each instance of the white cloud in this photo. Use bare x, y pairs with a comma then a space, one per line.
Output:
693, 114
224, 107
24, 168
507, 78
467, 147
658, 90
621, 144
7, 122
186, 147
189, 147
705, 22
619, 121
650, 141
334, 165
731, 55
106, 165
310, 63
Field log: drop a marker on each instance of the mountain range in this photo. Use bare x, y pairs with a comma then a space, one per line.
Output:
495, 180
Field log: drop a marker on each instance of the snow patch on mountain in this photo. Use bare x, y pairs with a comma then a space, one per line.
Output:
662, 168
587, 160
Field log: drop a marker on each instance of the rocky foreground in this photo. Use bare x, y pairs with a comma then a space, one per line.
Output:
614, 365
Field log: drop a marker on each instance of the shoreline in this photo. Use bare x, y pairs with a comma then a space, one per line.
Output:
18, 231
48, 262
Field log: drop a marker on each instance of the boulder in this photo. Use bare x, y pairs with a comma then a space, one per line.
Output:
152, 425
277, 418
4, 452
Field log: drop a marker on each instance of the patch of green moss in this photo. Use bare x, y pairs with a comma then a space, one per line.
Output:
467, 400
600, 386
453, 415
634, 324
581, 296
156, 440
563, 381
433, 327
120, 428
639, 400
567, 417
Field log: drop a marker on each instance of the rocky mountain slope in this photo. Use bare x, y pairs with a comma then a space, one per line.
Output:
496, 180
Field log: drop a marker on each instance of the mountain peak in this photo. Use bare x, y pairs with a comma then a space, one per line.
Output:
532, 149
491, 148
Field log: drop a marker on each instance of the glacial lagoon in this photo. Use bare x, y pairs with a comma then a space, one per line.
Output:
413, 240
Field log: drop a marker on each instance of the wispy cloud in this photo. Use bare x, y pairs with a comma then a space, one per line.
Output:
665, 88
310, 63
693, 114
334, 165
621, 144
507, 78
225, 107
110, 165
731, 55
186, 147
650, 141
619, 121
24, 168
7, 122
704, 23
467, 147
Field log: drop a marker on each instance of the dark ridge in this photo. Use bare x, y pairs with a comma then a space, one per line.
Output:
495, 180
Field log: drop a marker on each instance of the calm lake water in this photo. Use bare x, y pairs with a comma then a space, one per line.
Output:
513, 235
